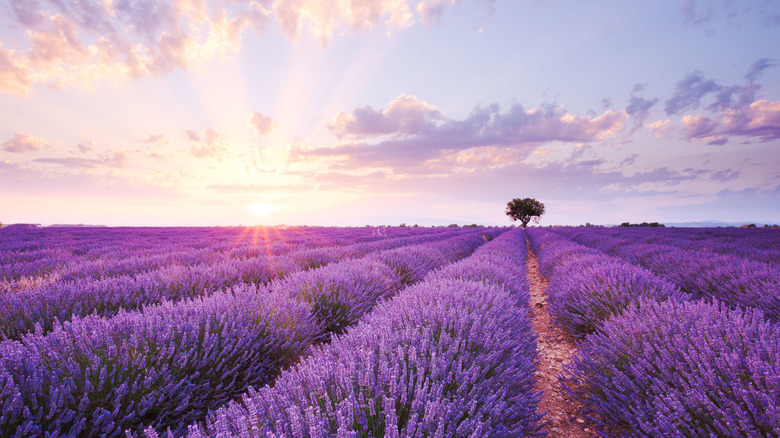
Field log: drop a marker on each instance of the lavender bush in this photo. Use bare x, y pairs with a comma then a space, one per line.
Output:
446, 358
410, 265
167, 366
682, 369
341, 293
586, 292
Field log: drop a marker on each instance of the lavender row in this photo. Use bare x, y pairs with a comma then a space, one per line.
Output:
761, 245
168, 365
730, 279
41, 306
588, 287
79, 253
452, 356
681, 369
654, 365
164, 255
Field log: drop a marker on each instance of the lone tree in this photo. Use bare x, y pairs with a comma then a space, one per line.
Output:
524, 209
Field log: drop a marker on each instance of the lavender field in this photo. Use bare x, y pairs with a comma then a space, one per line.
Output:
386, 331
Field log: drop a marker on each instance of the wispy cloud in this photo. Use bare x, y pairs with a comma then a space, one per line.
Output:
758, 68
254, 188
116, 160
694, 13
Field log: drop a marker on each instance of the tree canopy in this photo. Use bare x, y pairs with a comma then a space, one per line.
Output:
524, 209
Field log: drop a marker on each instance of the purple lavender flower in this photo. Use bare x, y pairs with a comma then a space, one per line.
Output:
690, 369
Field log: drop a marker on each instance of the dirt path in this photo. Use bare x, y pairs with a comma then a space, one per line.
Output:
555, 350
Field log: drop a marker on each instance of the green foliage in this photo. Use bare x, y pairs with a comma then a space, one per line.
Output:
524, 209
643, 224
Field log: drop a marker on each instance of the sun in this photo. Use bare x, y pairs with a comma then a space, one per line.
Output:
261, 209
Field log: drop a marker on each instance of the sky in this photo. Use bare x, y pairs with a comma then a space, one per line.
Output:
381, 112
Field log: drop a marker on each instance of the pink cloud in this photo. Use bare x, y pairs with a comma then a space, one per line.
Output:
212, 145
262, 123
77, 43
760, 119
22, 143
411, 133
82, 43
155, 139
406, 115
323, 18
13, 78
59, 43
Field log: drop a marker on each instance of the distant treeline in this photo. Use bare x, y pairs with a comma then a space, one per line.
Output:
643, 224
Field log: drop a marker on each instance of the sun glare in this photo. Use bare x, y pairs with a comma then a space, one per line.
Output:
261, 209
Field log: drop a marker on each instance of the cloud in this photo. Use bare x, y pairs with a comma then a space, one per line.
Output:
256, 188
760, 119
13, 77
155, 139
661, 128
27, 13
734, 97
406, 115
323, 17
758, 67
78, 43
696, 15
116, 160
689, 91
431, 11
261, 123
718, 141
192, 135
211, 145
86, 146
639, 109
411, 132
22, 142
67, 43
725, 175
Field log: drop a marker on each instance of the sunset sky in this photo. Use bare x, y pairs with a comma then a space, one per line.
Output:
355, 112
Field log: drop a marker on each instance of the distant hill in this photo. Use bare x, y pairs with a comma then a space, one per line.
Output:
74, 225
709, 224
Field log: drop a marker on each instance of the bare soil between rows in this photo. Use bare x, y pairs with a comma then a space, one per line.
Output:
555, 349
